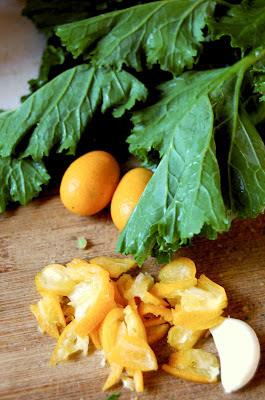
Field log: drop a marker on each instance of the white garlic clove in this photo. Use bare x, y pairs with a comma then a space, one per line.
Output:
239, 352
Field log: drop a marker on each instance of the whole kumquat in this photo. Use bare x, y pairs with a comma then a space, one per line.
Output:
89, 183
127, 195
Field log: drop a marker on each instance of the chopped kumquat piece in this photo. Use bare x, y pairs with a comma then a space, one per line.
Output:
69, 345
49, 314
196, 320
180, 269
115, 266
54, 279
114, 376
92, 300
182, 338
196, 365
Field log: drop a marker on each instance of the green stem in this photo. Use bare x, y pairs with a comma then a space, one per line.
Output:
251, 59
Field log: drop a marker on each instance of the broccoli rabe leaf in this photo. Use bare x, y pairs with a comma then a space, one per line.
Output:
47, 14
255, 103
247, 169
191, 192
167, 32
54, 117
258, 76
20, 180
245, 24
59, 111
184, 193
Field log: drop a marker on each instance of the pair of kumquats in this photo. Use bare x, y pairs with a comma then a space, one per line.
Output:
91, 182
125, 316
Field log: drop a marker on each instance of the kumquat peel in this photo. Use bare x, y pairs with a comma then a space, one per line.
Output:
97, 302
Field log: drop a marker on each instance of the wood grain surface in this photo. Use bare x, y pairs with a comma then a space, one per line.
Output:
44, 232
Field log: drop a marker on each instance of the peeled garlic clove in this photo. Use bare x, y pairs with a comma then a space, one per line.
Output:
239, 352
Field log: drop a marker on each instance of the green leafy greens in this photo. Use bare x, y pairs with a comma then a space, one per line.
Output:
184, 196
21, 180
244, 23
47, 14
200, 132
166, 32
57, 115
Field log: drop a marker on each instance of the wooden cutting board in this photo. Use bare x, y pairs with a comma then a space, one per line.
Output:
44, 232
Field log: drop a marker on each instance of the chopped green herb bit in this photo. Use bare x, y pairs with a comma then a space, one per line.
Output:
82, 243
